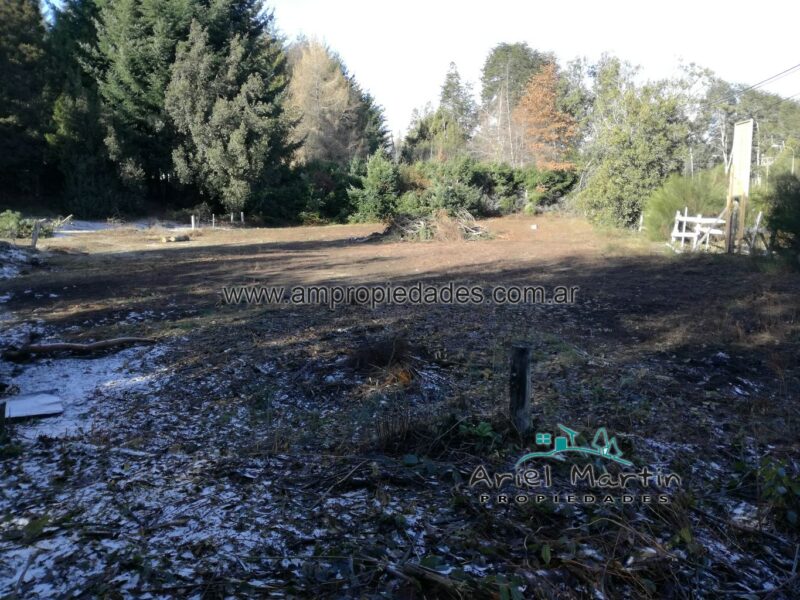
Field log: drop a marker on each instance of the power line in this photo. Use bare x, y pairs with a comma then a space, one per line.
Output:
771, 79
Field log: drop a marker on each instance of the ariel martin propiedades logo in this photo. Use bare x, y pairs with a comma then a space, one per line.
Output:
532, 478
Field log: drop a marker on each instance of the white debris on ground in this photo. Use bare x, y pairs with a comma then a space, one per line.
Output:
81, 384
12, 261
160, 480
138, 486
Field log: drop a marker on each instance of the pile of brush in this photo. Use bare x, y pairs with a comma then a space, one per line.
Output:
438, 226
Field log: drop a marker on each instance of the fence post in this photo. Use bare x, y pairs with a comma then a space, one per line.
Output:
231, 218
241, 214
192, 222
37, 226
213, 221
683, 226
519, 388
696, 241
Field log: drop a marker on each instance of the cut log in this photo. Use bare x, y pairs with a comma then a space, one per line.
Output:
46, 349
175, 238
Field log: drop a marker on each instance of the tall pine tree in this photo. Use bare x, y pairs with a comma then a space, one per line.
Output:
457, 102
76, 136
227, 109
22, 107
136, 42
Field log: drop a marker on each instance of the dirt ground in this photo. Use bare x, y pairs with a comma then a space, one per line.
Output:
292, 450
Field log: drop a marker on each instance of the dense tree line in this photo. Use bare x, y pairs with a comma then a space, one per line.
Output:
593, 130
134, 105
125, 106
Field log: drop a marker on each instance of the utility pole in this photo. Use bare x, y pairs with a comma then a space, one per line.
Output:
738, 184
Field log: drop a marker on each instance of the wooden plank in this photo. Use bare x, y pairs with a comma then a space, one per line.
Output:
32, 405
683, 230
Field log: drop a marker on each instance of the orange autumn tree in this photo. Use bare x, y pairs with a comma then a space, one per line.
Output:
547, 131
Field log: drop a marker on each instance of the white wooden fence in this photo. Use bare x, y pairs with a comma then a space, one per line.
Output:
696, 230
699, 231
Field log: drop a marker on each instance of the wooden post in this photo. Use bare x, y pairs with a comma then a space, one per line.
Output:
37, 227
683, 225
697, 227
213, 221
519, 388
231, 218
729, 203
241, 214
754, 238
730, 225
740, 230
192, 222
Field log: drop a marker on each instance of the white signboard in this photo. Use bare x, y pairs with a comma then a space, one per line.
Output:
741, 157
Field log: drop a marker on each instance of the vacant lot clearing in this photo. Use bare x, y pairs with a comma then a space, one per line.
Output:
291, 450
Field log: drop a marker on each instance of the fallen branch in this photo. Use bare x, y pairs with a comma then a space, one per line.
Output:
743, 528
419, 572
47, 349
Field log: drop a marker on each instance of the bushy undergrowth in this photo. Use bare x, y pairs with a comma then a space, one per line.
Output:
426, 187
376, 198
783, 214
376, 190
13, 225
704, 194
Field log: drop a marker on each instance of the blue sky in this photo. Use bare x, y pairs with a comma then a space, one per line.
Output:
400, 51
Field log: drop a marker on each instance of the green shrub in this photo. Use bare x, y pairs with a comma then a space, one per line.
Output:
10, 223
530, 208
413, 204
557, 184
703, 194
453, 195
481, 188
325, 190
504, 188
783, 214
460, 183
413, 178
781, 489
546, 187
376, 200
